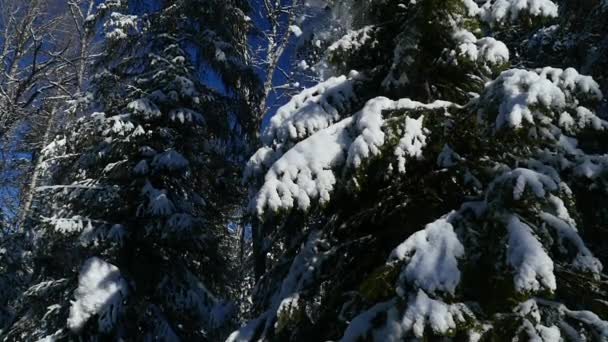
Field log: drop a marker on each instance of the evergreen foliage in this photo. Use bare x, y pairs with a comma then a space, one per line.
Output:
438, 191
444, 180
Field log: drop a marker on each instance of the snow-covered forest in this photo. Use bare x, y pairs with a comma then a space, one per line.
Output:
304, 170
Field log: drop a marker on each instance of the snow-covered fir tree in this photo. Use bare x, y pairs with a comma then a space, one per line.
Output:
432, 187
130, 230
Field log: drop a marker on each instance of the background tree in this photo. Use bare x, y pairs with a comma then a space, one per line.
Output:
31, 52
472, 166
131, 239
37, 84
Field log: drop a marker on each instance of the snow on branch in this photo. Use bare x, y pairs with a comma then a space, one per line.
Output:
306, 171
313, 109
101, 289
502, 11
525, 96
431, 256
353, 40
533, 267
485, 51
421, 312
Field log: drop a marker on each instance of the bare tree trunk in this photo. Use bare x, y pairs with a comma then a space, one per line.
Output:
280, 17
30, 189
59, 68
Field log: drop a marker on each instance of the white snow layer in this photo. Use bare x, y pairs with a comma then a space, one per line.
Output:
65, 225
306, 171
521, 92
296, 30
186, 115
532, 266
421, 312
486, 50
119, 25
313, 109
566, 319
522, 179
530, 323
501, 11
584, 259
353, 39
431, 257
101, 289
145, 108
411, 143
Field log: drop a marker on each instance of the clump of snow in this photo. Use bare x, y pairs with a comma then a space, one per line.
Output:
303, 65
567, 316
65, 225
583, 118
531, 318
532, 266
520, 90
369, 122
570, 81
590, 167
502, 11
138, 131
584, 259
353, 40
185, 115
492, 51
523, 179
118, 25
586, 118
306, 171
397, 76
220, 55
261, 161
421, 312
543, 36
116, 125
101, 290
296, 30
42, 289
472, 7
313, 109
56, 147
145, 108
520, 93
412, 142
484, 51
431, 256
